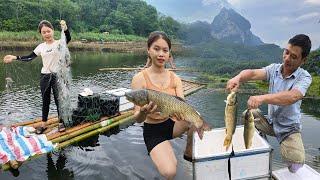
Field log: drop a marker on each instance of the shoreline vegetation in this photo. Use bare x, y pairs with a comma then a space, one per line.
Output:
218, 82
89, 41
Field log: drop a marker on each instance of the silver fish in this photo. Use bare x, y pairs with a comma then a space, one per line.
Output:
230, 118
248, 128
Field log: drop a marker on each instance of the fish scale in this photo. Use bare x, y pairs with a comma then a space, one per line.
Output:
248, 128
230, 118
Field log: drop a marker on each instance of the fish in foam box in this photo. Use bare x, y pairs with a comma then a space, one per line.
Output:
211, 160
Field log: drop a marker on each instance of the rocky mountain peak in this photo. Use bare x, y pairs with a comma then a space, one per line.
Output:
230, 26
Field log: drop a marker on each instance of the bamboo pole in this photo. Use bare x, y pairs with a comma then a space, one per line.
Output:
91, 128
193, 82
78, 127
191, 86
49, 122
32, 121
70, 130
187, 93
92, 133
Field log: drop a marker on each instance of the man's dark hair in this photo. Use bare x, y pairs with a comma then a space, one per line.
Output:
302, 41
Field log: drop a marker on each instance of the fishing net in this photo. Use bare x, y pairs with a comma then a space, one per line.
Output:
64, 82
92, 108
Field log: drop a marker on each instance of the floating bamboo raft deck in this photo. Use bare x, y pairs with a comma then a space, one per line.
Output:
86, 130
133, 69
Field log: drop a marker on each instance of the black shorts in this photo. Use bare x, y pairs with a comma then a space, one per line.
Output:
154, 134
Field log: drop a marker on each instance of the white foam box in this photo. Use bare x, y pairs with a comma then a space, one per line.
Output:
211, 159
306, 172
124, 103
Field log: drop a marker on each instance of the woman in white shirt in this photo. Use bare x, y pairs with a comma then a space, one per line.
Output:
48, 50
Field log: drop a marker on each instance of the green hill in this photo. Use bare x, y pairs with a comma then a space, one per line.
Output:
222, 50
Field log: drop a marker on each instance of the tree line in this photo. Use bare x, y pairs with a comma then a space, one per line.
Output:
134, 17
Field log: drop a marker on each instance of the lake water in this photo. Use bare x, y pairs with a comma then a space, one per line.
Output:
119, 153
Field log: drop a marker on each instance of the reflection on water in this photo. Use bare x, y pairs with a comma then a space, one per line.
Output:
120, 153
58, 170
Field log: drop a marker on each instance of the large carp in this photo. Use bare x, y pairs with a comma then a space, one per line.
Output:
168, 106
230, 118
248, 128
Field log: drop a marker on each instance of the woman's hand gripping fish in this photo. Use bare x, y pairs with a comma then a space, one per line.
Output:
168, 106
249, 128
230, 118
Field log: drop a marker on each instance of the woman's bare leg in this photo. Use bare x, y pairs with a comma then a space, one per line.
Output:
163, 157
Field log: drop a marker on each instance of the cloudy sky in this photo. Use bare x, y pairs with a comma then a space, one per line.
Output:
274, 21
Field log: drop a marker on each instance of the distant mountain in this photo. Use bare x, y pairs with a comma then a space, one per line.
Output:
197, 32
216, 49
230, 26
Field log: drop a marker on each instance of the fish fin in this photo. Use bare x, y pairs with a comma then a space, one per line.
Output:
227, 142
180, 98
164, 114
206, 126
248, 146
200, 132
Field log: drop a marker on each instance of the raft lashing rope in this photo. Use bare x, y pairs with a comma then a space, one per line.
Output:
92, 108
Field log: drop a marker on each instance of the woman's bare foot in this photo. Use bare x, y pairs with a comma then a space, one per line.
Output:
41, 128
61, 127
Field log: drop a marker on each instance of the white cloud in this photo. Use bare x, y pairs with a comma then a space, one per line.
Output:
308, 16
217, 3
314, 2
313, 16
208, 2
234, 2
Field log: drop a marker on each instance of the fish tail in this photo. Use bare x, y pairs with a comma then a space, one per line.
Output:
227, 141
248, 145
200, 132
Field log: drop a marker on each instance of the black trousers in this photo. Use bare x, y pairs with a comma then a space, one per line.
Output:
48, 82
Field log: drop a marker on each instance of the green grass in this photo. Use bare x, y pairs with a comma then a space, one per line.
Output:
89, 36
214, 81
217, 81
314, 89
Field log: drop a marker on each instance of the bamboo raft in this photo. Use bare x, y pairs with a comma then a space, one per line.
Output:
139, 69
86, 130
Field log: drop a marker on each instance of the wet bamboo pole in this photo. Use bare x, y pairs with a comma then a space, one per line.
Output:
70, 130
190, 91
49, 122
25, 123
92, 133
91, 128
